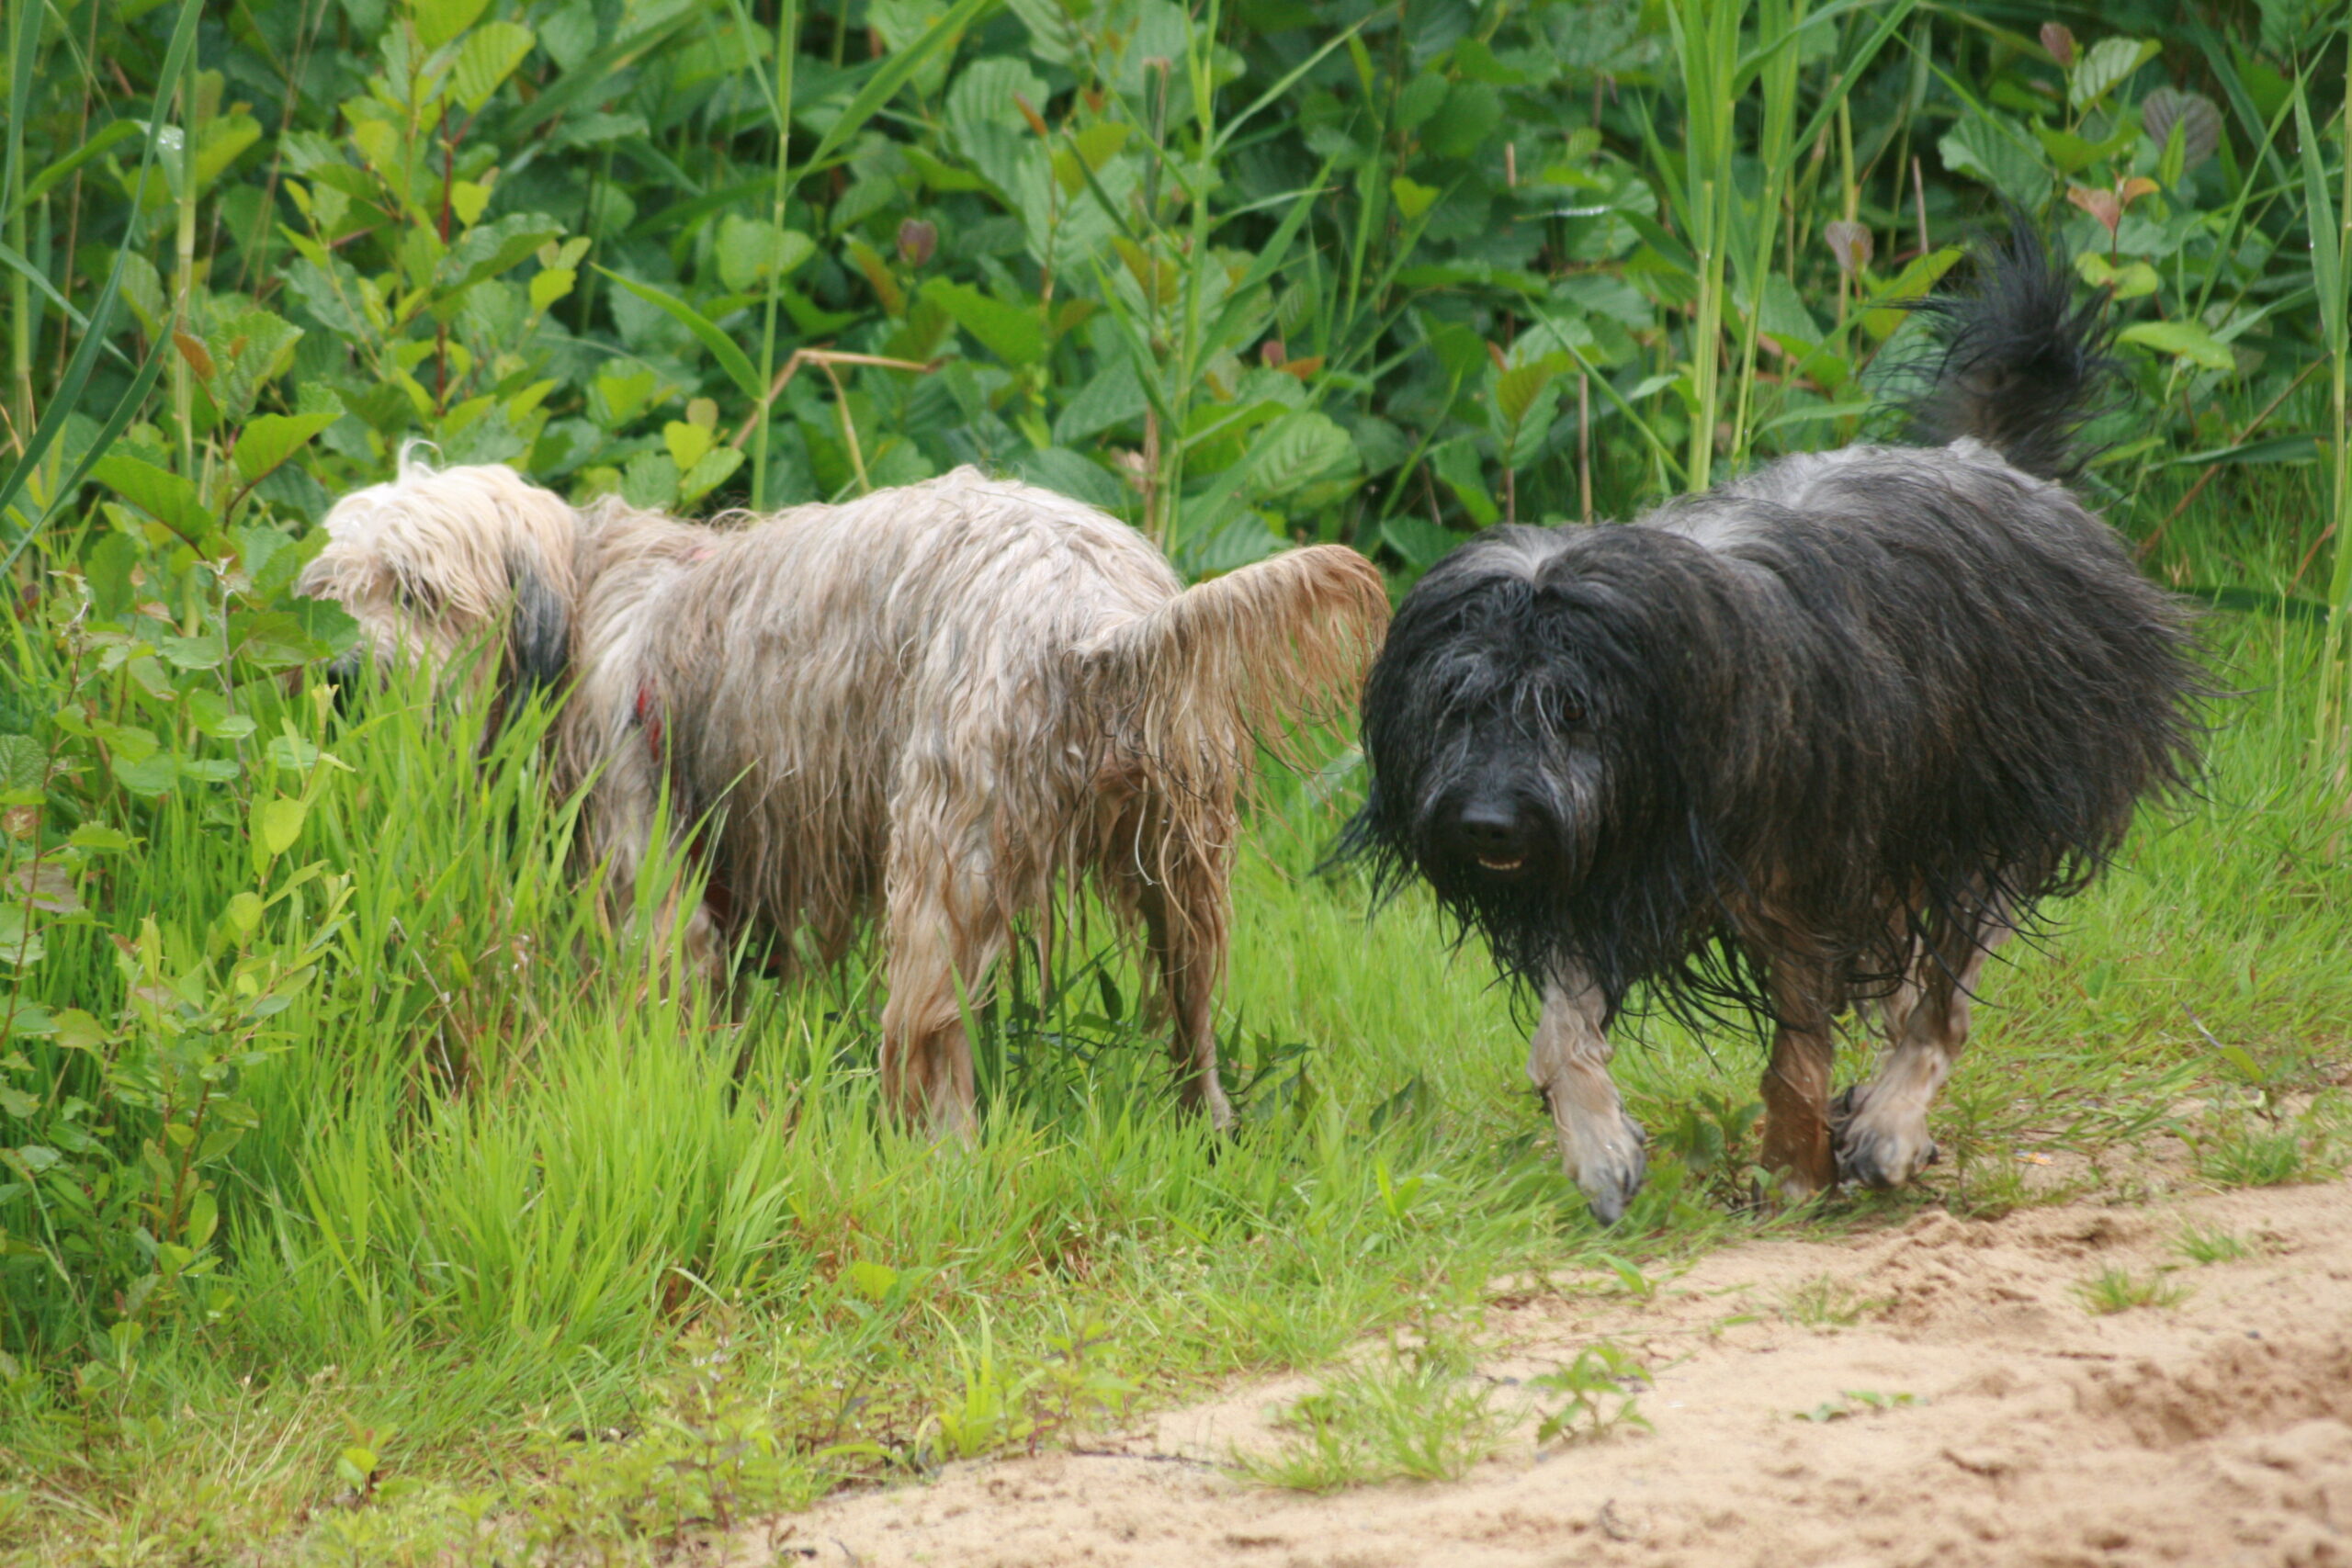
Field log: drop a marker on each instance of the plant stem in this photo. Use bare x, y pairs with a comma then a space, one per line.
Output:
184, 277
788, 39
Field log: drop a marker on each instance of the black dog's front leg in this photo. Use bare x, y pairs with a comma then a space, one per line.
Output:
1600, 1147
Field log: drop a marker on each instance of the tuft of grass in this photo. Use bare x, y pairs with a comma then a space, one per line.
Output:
2204, 1245
2119, 1289
2251, 1153
1826, 1302
1414, 1417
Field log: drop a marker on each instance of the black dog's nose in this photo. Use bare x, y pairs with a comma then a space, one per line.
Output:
1489, 829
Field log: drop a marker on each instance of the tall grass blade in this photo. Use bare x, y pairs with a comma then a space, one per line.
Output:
85, 354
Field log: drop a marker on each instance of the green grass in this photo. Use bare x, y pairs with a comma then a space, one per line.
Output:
2203, 1245
2119, 1289
497, 1202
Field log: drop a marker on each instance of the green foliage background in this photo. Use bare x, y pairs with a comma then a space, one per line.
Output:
283, 1096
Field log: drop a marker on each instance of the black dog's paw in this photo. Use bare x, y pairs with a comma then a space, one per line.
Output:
1611, 1188
1872, 1157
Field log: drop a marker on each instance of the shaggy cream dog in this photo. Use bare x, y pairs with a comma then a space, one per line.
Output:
944, 704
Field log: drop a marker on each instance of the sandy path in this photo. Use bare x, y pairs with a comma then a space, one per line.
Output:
2219, 1432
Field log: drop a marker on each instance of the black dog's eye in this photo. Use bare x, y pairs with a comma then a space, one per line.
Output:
1568, 708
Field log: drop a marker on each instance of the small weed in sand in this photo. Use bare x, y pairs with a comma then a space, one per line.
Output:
1420, 1417
1599, 1385
2202, 1245
2252, 1153
2119, 1289
1855, 1401
1826, 1301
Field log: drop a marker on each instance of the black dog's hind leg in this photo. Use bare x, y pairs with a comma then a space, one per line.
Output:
1796, 1082
1600, 1147
1882, 1126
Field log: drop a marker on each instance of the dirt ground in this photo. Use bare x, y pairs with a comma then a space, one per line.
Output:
2215, 1432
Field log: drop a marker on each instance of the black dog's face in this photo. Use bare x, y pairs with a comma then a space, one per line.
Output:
1484, 733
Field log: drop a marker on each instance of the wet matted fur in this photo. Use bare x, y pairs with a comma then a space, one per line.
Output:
943, 704
1822, 735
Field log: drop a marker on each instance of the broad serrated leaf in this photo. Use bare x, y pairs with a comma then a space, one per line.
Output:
1013, 335
2104, 65
24, 766
1303, 446
149, 775
1516, 389
496, 247
489, 57
269, 439
438, 21
708, 472
2198, 119
163, 495
1997, 152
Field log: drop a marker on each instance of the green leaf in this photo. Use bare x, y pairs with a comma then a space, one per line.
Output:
100, 143
2106, 64
276, 824
723, 348
751, 249
1516, 389
1465, 120
165, 496
1456, 463
24, 766
1914, 282
1411, 197
1013, 334
438, 21
497, 247
192, 652
2186, 339
883, 84
872, 1281
1992, 149
2131, 281
149, 775
271, 438
489, 58
244, 913
78, 1031
707, 473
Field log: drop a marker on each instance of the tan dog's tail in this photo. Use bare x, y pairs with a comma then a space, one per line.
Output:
1258, 654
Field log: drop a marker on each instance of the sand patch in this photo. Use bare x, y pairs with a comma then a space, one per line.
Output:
2215, 1433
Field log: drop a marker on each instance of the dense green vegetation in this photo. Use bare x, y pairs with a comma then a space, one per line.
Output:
364, 1195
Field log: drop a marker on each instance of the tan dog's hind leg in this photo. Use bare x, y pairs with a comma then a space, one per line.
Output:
945, 935
1796, 1084
1176, 887
1600, 1147
1185, 928
1881, 1125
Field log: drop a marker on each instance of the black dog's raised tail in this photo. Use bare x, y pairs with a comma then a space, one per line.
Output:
2022, 366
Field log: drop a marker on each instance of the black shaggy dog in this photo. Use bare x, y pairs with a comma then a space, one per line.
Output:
1820, 738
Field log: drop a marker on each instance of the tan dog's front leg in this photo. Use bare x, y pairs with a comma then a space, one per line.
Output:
1600, 1147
